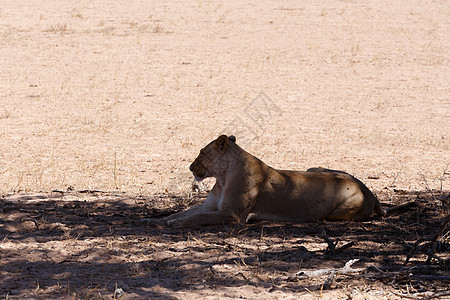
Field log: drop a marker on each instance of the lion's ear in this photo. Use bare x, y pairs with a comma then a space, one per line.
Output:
221, 142
232, 138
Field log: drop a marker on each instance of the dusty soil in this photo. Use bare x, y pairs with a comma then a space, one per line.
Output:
120, 97
101, 246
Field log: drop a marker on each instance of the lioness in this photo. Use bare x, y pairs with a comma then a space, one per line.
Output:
246, 188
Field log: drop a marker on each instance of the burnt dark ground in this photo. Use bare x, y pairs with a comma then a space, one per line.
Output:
94, 245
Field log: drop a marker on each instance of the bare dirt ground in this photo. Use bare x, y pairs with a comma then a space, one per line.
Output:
119, 97
99, 246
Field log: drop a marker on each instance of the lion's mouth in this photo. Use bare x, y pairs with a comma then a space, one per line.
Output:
200, 176
197, 178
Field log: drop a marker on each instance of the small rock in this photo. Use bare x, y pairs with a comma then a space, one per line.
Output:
118, 293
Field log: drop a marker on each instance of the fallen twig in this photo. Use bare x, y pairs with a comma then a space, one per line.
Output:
401, 295
438, 295
346, 269
431, 277
329, 281
393, 183
421, 296
432, 244
346, 246
411, 251
428, 187
331, 244
92, 191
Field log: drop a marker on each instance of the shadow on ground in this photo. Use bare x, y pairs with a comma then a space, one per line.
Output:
98, 245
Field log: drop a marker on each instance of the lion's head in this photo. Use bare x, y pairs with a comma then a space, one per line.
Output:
210, 161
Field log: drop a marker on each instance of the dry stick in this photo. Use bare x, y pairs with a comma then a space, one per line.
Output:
89, 191
331, 244
411, 252
242, 275
211, 269
431, 277
443, 175
428, 187
445, 200
93, 290
435, 295
329, 281
404, 296
346, 269
444, 221
438, 295
402, 275
346, 246
433, 242
393, 182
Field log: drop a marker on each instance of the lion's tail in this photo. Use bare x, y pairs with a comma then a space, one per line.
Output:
378, 209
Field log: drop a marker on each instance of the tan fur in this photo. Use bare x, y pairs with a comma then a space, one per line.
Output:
247, 189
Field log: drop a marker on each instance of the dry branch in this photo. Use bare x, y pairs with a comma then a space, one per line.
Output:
438, 295
329, 281
346, 269
421, 296
432, 244
331, 244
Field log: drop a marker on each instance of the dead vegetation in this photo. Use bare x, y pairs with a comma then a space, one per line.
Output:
95, 245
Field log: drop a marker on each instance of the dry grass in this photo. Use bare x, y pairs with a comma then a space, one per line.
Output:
90, 96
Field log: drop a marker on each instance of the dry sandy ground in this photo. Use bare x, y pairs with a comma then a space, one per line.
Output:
118, 96
100, 246
106, 95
